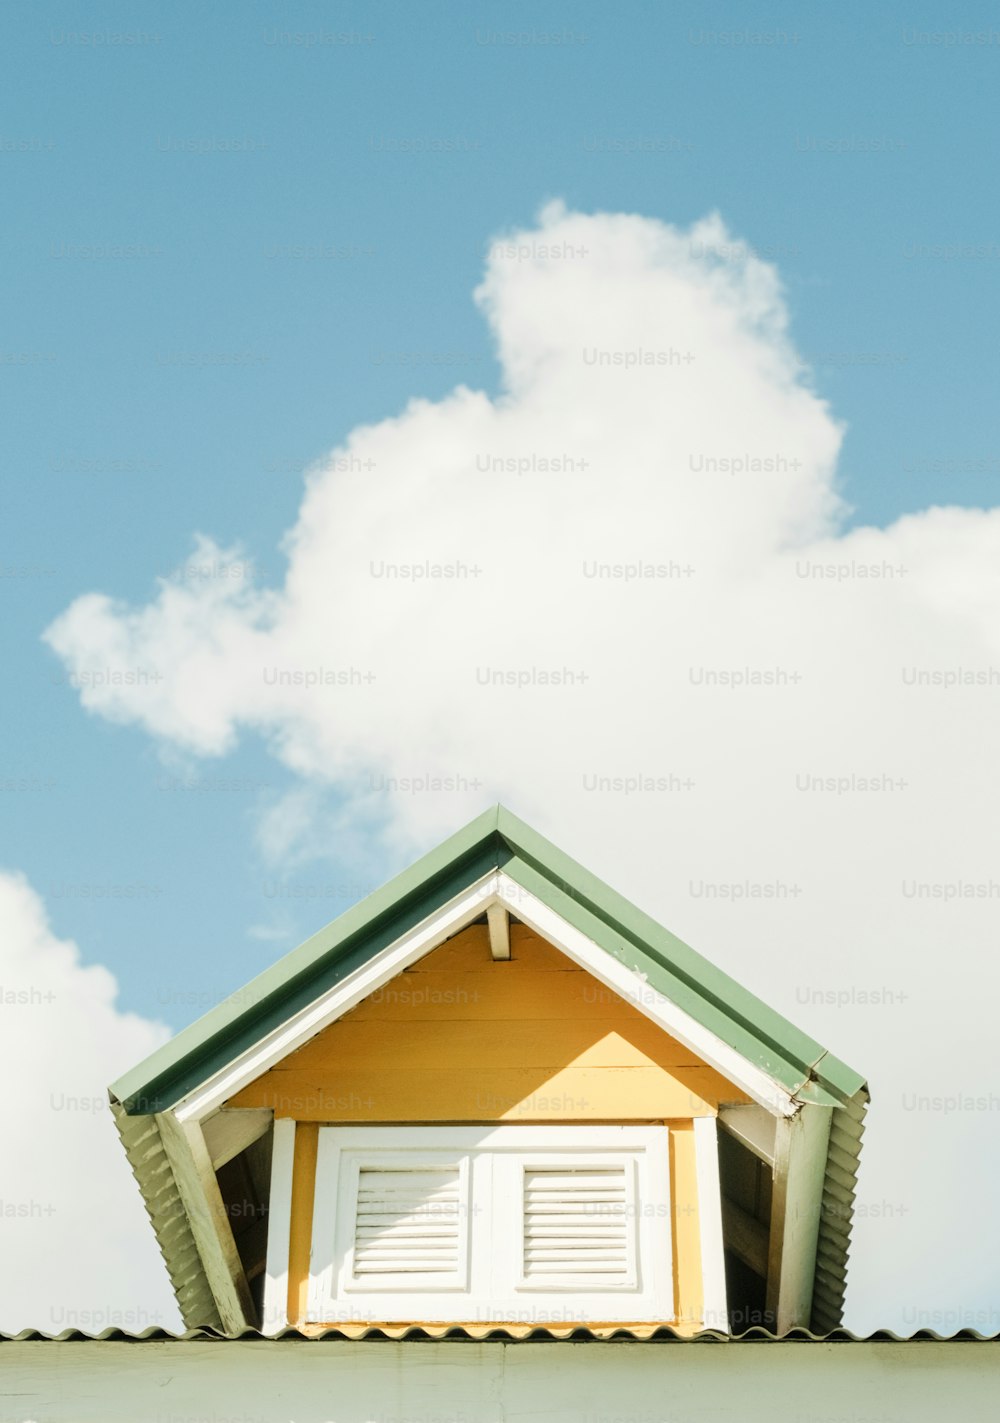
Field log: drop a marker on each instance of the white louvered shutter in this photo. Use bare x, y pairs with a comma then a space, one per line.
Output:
408, 1222
491, 1223
577, 1226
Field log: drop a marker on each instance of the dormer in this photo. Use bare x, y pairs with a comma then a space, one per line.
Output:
496, 1093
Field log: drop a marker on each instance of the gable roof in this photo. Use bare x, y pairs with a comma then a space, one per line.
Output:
498, 841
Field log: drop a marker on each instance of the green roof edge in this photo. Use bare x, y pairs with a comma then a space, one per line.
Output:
493, 840
227, 1029
708, 983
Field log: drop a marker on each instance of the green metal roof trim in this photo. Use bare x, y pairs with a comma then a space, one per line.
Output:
323, 960
495, 840
456, 1334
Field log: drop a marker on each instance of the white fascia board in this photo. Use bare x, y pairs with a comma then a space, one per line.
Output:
492, 888
634, 989
714, 1310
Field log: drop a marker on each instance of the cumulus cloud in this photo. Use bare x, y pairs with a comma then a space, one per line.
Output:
76, 1245
621, 595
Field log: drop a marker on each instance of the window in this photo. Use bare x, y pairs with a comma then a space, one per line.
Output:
491, 1223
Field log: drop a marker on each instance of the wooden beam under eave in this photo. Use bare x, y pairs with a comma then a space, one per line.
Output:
752, 1125
800, 1151
499, 925
227, 1133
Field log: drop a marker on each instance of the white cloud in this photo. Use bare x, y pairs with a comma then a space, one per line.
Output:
77, 1248
641, 360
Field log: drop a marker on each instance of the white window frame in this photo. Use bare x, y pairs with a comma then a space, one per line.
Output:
490, 1284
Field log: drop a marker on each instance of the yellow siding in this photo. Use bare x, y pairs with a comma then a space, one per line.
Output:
303, 1193
489, 1093
460, 1038
686, 1226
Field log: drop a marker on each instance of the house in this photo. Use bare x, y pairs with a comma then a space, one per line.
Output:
495, 1104
495, 1092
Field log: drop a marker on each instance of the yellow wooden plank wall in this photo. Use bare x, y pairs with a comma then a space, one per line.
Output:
461, 1038
686, 1228
303, 1196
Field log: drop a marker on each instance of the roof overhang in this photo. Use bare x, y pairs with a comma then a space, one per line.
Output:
496, 841
497, 889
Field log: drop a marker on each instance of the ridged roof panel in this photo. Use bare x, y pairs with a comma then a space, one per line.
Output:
460, 1334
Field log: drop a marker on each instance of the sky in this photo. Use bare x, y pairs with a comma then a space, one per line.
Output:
407, 407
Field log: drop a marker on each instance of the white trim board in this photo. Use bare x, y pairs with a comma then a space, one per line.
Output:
458, 913
279, 1228
635, 990
714, 1302
340, 999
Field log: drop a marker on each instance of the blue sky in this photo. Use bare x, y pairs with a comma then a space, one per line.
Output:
237, 236
271, 290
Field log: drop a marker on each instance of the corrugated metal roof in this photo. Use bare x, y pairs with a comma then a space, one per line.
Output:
495, 840
462, 1334
151, 1168
837, 1214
